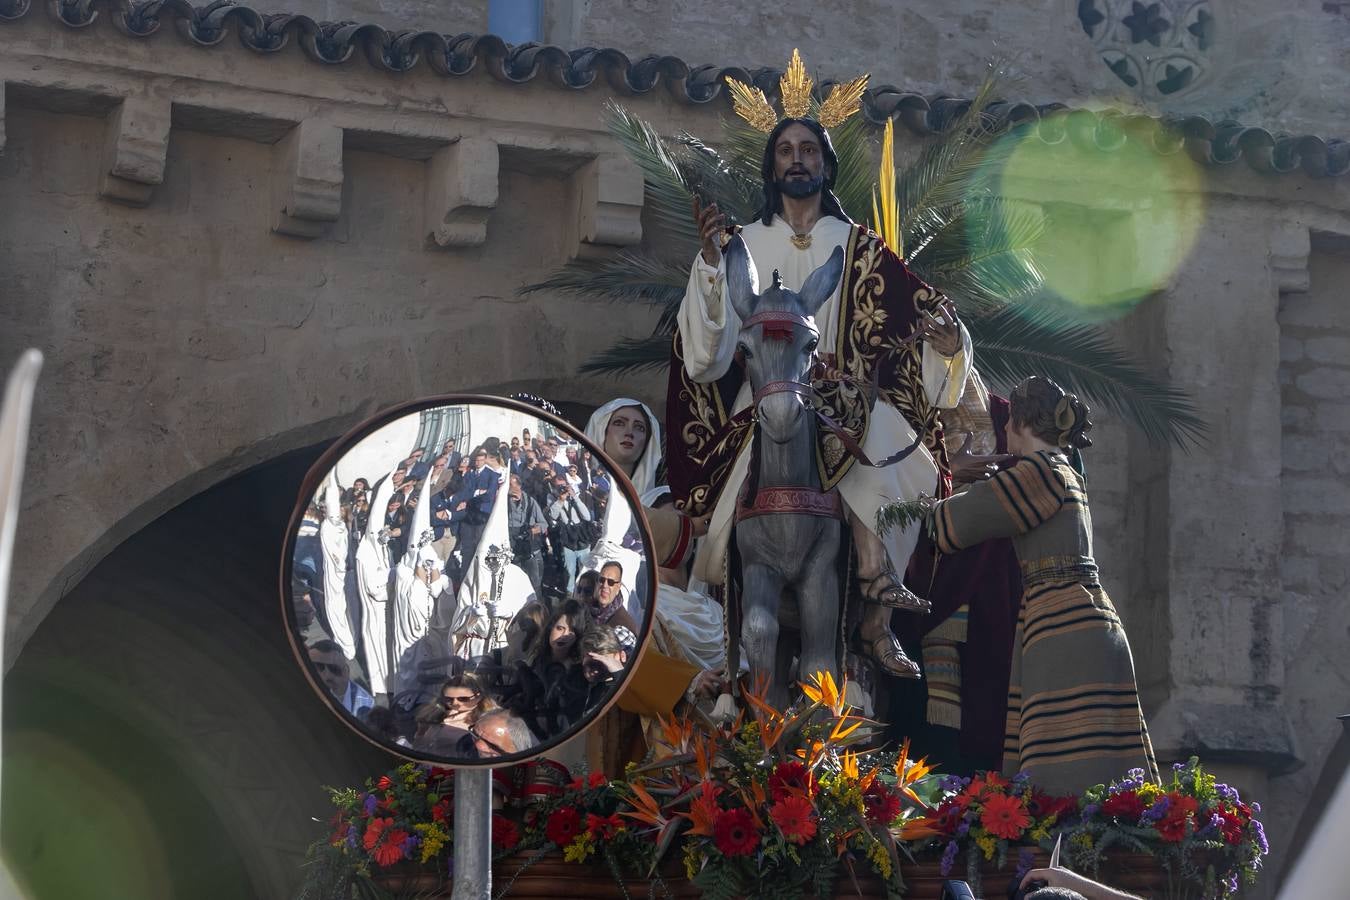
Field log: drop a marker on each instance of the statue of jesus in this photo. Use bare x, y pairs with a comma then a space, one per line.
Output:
883, 330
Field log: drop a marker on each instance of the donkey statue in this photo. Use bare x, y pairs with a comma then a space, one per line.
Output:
788, 533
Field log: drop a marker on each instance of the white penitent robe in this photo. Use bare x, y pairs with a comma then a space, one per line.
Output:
333, 539
482, 614
709, 327
372, 587
414, 599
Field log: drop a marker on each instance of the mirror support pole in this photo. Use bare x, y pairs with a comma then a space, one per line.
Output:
473, 835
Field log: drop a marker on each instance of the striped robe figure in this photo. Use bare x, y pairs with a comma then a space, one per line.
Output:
1074, 718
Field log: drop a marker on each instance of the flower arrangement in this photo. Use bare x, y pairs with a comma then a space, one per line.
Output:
777, 803
1207, 838
989, 815
400, 821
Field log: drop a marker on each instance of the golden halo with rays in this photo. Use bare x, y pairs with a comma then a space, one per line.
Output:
795, 87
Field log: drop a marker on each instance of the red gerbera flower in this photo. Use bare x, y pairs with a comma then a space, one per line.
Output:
734, 832
603, 826
794, 816
1127, 806
1232, 826
374, 829
384, 842
505, 834
949, 817
1172, 826
1004, 816
788, 779
384, 783
440, 811
563, 825
881, 804
391, 850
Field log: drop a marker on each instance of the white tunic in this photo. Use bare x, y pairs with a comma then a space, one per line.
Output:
372, 585
333, 539
709, 328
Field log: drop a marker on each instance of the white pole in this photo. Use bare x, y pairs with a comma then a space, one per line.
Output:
473, 834
14, 418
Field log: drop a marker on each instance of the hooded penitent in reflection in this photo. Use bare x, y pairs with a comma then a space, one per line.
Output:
501, 582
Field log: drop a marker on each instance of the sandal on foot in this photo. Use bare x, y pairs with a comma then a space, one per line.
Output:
888, 653
892, 594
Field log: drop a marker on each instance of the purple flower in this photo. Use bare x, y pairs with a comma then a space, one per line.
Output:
411, 842
1260, 833
351, 839
1214, 826
1157, 810
953, 784
1228, 793
1020, 780
1090, 810
963, 828
1230, 884
1026, 858
369, 803
1177, 767
1255, 807
948, 859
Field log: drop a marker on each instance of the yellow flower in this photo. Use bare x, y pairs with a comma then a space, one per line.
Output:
1082, 839
433, 839
691, 860
1039, 833
988, 844
582, 846
881, 860
1148, 792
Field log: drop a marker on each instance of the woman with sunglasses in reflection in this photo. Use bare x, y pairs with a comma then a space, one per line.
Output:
444, 726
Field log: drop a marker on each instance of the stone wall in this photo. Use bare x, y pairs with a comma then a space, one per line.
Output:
1315, 564
1267, 64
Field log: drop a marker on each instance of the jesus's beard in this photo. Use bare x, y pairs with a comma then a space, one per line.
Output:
798, 189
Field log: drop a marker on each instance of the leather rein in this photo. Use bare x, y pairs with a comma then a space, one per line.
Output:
781, 322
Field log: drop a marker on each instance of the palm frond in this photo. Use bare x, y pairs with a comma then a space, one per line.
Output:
853, 143
630, 355
667, 195
710, 175
628, 275
900, 514
957, 167
983, 254
1020, 341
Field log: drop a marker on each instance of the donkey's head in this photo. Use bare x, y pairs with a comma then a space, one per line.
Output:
778, 336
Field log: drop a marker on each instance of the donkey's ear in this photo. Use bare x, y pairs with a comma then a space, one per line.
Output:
821, 284
742, 281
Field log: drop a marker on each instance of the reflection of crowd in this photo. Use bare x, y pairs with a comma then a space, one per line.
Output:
452, 597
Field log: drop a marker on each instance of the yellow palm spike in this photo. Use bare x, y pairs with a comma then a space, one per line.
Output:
885, 204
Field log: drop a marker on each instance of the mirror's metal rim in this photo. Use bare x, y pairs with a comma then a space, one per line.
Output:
319, 470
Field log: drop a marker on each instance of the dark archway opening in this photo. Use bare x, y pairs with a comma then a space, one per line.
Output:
160, 740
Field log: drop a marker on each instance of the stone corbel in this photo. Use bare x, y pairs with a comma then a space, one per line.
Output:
462, 185
609, 194
1290, 244
134, 150
307, 179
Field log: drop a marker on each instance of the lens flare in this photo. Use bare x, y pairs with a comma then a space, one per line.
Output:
73, 828
1120, 216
